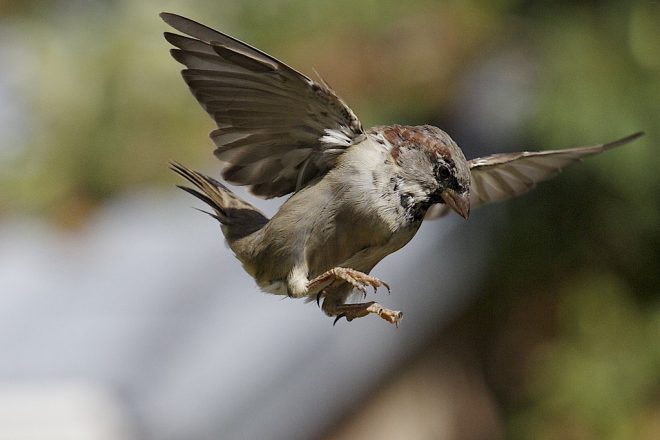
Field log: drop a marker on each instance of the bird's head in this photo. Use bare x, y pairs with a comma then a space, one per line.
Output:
432, 167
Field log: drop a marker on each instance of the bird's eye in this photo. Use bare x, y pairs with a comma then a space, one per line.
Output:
444, 172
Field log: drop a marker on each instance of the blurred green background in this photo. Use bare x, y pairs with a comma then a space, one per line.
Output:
566, 327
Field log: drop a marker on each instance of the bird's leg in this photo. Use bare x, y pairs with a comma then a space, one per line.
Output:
357, 279
352, 311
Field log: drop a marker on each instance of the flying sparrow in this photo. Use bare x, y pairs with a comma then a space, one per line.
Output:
358, 195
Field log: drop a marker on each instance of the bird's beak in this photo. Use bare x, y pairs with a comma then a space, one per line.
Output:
458, 202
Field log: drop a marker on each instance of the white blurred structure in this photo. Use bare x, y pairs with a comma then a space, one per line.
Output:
60, 411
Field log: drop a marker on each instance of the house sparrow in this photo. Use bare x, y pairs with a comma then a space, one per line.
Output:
358, 195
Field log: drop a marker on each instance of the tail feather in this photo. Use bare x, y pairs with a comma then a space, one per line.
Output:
238, 217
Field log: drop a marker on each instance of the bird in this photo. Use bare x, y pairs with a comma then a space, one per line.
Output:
356, 195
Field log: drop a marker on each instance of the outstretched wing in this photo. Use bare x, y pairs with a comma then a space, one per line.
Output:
503, 176
277, 129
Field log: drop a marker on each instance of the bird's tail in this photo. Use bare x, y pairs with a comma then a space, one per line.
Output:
238, 217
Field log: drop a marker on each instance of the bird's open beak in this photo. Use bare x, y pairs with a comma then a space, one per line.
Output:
458, 202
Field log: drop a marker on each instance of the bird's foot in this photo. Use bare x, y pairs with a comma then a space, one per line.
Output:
352, 311
360, 281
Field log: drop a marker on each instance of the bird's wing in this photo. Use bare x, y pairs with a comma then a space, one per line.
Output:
277, 129
503, 176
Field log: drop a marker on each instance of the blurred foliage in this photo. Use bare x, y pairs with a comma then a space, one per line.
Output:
599, 378
92, 106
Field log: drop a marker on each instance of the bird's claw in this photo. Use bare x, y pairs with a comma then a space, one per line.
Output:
341, 315
357, 279
353, 311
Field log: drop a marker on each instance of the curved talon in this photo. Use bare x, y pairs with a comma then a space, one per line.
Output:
318, 298
381, 283
341, 315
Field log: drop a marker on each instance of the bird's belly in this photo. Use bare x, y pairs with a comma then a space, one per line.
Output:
359, 248
311, 235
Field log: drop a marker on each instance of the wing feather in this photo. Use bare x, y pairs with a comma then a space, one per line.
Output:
277, 129
502, 176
